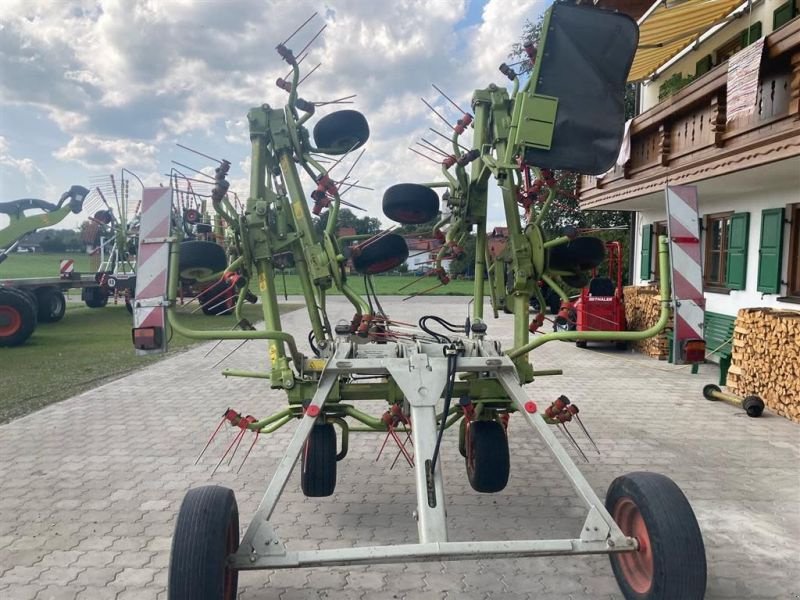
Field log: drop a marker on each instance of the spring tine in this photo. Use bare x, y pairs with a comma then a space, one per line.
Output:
351, 205
449, 99
175, 162
441, 135
437, 113
386, 439
296, 31
250, 449
236, 437
224, 358
433, 160
574, 443
353, 166
402, 448
433, 146
307, 75
198, 153
423, 292
311, 41
586, 433
213, 435
417, 280
241, 437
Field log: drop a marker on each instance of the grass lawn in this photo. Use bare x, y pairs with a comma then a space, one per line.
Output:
87, 347
43, 265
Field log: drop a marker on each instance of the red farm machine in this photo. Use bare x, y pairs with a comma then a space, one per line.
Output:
601, 305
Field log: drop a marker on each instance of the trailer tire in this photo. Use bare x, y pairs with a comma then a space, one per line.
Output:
488, 462
384, 254
17, 317
671, 561
52, 304
341, 132
200, 259
318, 462
95, 297
206, 533
410, 203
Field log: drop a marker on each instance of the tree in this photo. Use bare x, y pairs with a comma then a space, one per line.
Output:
363, 226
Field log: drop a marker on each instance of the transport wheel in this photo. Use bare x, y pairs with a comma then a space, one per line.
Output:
95, 297
199, 259
17, 317
670, 562
753, 406
32, 298
488, 462
621, 345
52, 304
206, 533
216, 299
384, 254
340, 132
318, 467
581, 254
410, 203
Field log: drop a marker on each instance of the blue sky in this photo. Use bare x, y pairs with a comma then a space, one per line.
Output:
88, 87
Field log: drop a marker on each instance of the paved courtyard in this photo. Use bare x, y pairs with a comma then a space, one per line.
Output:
89, 487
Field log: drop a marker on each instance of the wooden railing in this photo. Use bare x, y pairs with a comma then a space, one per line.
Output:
687, 137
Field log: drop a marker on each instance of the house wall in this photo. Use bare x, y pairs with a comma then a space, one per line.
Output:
761, 11
730, 303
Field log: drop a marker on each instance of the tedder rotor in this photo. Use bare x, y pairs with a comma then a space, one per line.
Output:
568, 115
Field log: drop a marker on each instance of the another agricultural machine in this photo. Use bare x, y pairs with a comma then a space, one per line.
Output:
26, 302
568, 115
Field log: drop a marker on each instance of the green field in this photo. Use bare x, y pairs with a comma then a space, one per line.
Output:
40, 264
87, 347
45, 265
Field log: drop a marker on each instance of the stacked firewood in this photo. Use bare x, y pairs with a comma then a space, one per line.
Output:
766, 358
642, 310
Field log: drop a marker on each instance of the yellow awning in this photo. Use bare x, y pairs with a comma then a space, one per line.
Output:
671, 27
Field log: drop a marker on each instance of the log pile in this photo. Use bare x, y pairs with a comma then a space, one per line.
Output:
766, 359
642, 309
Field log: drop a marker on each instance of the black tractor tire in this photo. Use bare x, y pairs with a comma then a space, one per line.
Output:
410, 203
200, 259
318, 462
30, 295
581, 254
671, 561
215, 299
341, 132
52, 304
95, 297
384, 254
488, 462
206, 533
17, 317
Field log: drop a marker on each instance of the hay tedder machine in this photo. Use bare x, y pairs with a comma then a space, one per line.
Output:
567, 115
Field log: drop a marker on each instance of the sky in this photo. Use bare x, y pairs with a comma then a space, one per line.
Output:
88, 87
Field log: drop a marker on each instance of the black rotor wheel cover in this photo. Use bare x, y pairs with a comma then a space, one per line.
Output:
384, 254
410, 203
340, 132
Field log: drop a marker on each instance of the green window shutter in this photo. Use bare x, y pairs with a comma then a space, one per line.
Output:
703, 65
736, 269
783, 14
770, 251
647, 238
751, 34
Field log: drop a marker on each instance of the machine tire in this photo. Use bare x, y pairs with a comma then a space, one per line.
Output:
410, 203
318, 462
753, 406
581, 254
200, 259
17, 317
581, 343
95, 297
671, 561
384, 254
487, 460
52, 304
206, 533
341, 132
622, 346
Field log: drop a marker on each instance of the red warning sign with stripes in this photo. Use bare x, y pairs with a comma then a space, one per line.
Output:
66, 267
686, 266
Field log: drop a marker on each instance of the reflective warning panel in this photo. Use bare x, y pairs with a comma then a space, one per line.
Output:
686, 274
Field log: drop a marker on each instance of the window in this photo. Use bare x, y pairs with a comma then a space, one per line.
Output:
741, 41
794, 252
716, 230
649, 257
783, 14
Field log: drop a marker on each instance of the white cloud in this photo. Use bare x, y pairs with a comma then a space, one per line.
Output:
23, 170
93, 152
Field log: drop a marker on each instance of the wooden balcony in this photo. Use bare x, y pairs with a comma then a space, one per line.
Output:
687, 138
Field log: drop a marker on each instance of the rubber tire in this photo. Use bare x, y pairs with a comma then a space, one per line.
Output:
621, 346
553, 303
488, 462
679, 559
318, 462
753, 406
200, 259
581, 254
410, 203
341, 132
94, 297
31, 296
20, 303
206, 532
384, 254
218, 306
52, 304
581, 343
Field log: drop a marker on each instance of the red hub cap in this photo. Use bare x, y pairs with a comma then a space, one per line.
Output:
636, 567
10, 321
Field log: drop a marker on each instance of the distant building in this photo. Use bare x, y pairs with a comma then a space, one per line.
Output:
496, 241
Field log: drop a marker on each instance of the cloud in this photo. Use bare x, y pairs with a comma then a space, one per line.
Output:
24, 171
111, 155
